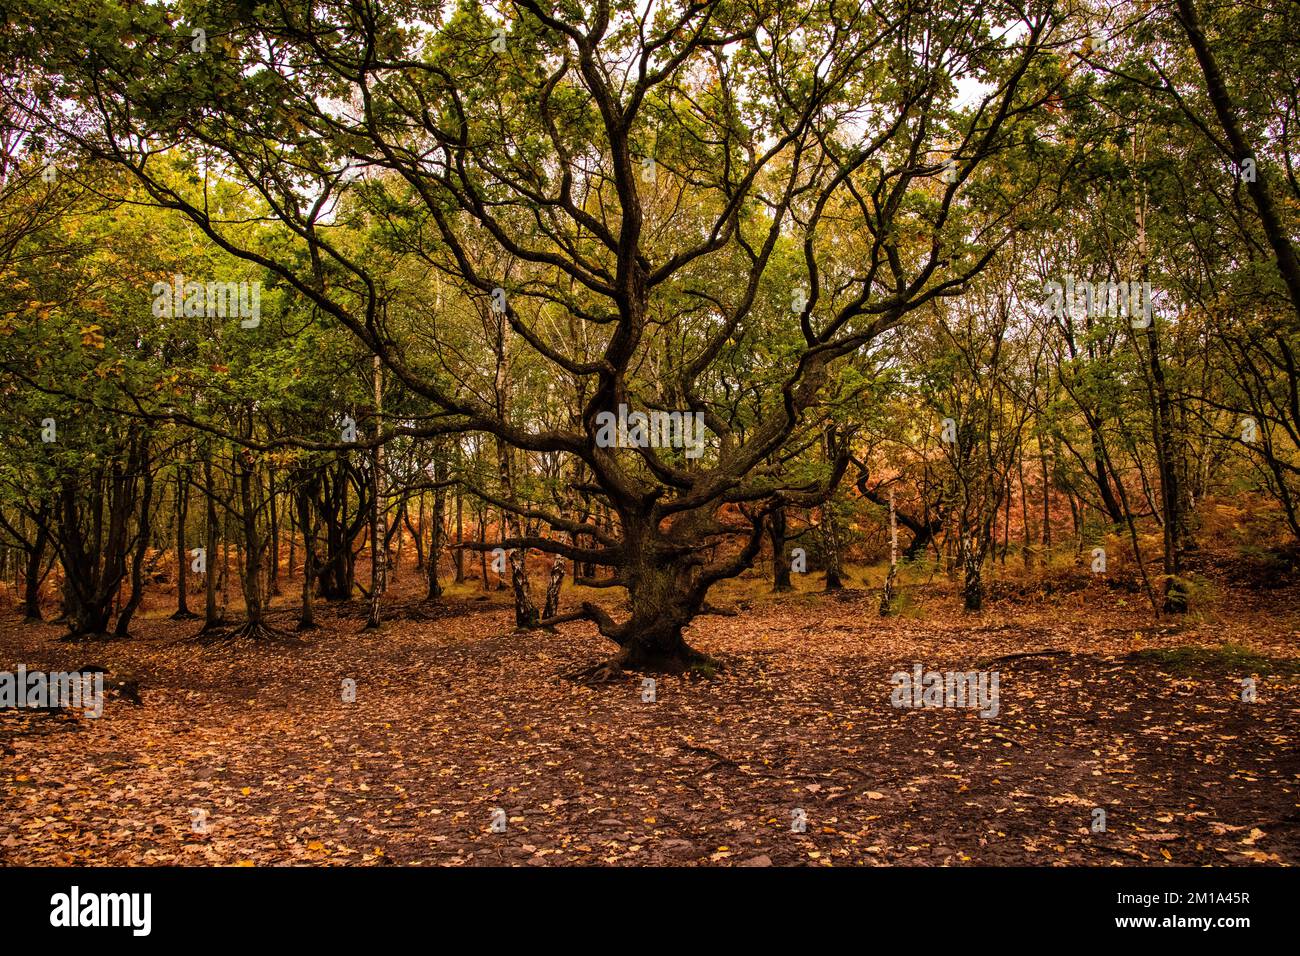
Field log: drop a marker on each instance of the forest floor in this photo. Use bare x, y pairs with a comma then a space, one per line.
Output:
458, 716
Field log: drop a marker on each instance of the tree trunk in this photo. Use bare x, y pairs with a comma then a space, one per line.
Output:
553, 587
336, 574
417, 535
525, 611
1047, 509
1175, 591
253, 550
223, 578
831, 547
459, 555
887, 592
435, 531
665, 591
273, 586
183, 612
123, 625
211, 616
1102, 477
972, 562
93, 538
482, 539
378, 540
306, 521
32, 576
511, 524
776, 527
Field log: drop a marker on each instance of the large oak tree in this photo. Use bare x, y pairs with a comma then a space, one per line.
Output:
631, 186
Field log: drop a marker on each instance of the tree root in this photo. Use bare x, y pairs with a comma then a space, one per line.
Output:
1023, 656
586, 612
248, 631
719, 759
693, 663
90, 638
604, 672
719, 611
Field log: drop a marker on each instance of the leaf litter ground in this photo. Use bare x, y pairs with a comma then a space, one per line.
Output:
458, 716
